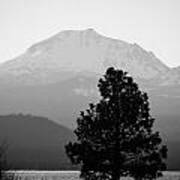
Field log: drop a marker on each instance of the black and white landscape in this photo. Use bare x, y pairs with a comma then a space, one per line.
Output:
57, 78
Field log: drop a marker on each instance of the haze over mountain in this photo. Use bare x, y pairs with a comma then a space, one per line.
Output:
58, 77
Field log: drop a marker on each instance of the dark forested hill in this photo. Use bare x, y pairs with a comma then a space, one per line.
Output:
34, 142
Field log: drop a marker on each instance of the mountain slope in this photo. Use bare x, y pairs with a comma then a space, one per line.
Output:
70, 52
172, 77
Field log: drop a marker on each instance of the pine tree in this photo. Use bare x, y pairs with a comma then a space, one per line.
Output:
115, 136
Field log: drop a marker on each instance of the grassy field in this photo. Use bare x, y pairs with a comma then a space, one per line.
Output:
71, 175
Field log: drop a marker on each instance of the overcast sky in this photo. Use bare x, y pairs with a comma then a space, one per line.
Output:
153, 24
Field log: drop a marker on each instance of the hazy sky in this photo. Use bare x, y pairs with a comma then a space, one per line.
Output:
153, 24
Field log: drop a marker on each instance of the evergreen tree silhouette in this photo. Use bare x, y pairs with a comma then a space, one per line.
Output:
115, 136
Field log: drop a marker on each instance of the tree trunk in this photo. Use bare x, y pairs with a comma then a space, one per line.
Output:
138, 178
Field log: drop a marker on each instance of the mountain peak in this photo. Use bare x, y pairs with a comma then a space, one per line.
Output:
75, 32
90, 30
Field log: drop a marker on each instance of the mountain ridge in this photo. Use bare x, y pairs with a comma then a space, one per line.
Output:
75, 51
